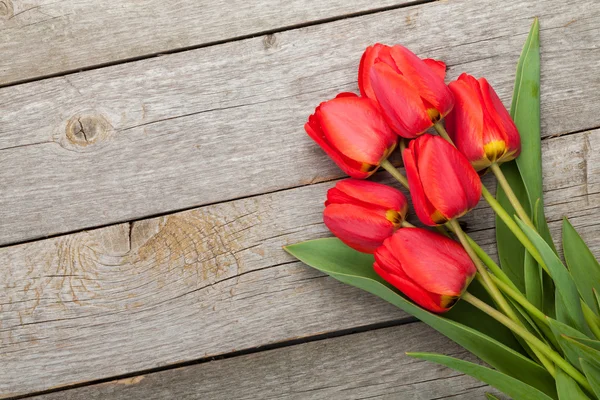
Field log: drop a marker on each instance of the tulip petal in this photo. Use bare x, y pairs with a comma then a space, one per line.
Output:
350, 167
412, 291
500, 115
371, 194
423, 207
465, 122
356, 128
402, 106
439, 67
360, 228
438, 264
427, 81
449, 181
389, 268
366, 62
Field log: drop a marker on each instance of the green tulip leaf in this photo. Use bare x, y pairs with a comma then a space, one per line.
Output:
525, 111
506, 384
590, 347
490, 396
592, 373
567, 388
583, 266
567, 292
333, 258
525, 178
547, 284
534, 290
576, 347
592, 319
561, 330
594, 344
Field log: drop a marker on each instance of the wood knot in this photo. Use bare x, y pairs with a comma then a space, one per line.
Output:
270, 41
86, 129
6, 9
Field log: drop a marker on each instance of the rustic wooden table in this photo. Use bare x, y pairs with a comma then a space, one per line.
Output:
153, 163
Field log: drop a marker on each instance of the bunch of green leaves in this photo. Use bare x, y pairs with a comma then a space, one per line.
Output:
569, 297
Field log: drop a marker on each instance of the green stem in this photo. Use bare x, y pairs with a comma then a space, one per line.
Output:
492, 289
442, 132
394, 172
522, 300
487, 281
402, 147
512, 198
514, 228
487, 260
530, 338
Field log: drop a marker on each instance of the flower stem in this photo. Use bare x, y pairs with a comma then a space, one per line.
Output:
522, 300
487, 260
486, 280
512, 198
394, 172
530, 338
514, 228
442, 132
492, 289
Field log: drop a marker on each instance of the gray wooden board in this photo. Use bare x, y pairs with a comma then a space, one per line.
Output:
43, 37
364, 365
226, 121
212, 280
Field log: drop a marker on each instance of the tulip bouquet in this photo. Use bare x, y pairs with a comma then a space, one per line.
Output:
532, 318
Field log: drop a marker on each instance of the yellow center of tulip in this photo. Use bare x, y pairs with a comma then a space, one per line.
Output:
434, 115
438, 218
494, 149
394, 217
448, 301
366, 167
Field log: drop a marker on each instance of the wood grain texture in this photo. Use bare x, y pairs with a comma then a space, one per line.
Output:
69, 35
224, 122
212, 280
365, 365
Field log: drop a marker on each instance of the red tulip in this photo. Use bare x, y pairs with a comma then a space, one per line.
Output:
353, 133
443, 185
479, 124
363, 214
410, 91
431, 269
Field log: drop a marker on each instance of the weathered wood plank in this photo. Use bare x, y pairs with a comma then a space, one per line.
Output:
160, 132
359, 366
211, 280
69, 35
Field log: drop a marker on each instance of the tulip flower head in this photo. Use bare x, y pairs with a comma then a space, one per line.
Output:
363, 214
410, 91
431, 269
480, 125
443, 184
353, 132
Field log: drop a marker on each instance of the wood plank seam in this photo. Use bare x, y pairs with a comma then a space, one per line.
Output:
176, 211
265, 33
318, 370
269, 347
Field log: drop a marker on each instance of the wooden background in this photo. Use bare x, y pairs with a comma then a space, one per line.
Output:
153, 163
